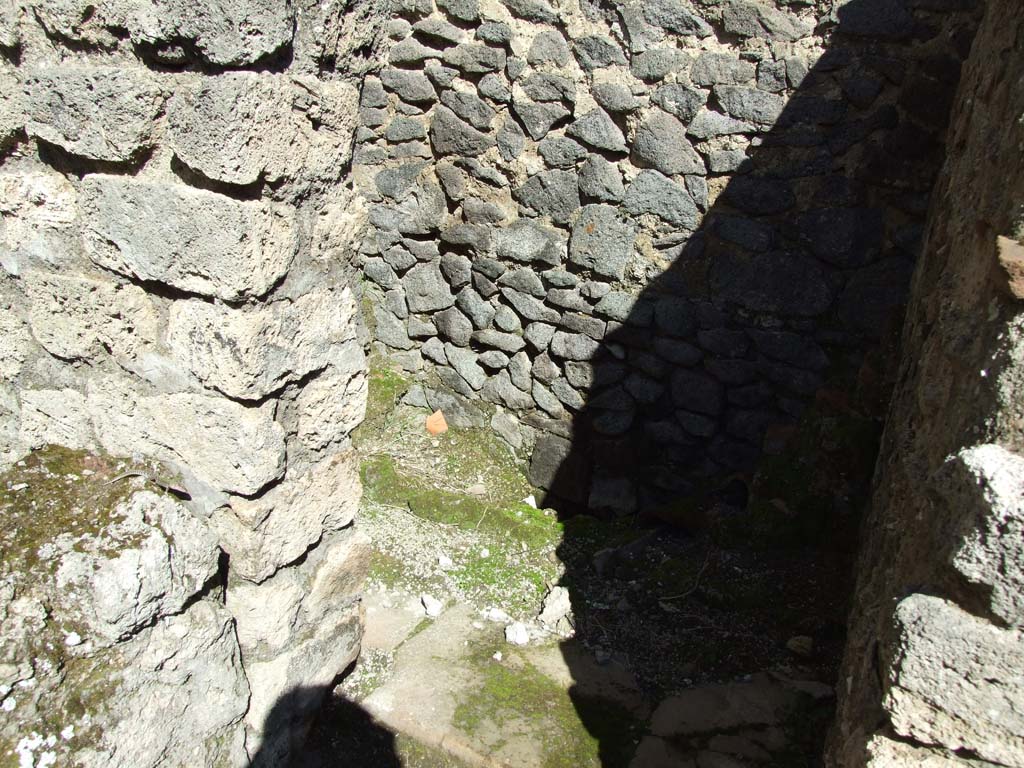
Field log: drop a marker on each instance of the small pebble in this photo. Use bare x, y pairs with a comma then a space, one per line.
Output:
72, 639
431, 605
485, 552
19, 486
517, 634
497, 656
445, 562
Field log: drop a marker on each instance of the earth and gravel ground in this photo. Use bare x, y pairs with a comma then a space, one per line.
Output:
689, 648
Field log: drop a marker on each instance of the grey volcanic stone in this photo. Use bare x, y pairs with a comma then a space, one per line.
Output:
547, 86
380, 272
729, 161
495, 87
559, 278
397, 182
658, 63
601, 241
519, 370
405, 129
679, 100
454, 326
537, 117
463, 10
523, 279
696, 391
550, 193
413, 87
420, 328
790, 348
670, 15
532, 10
751, 104
560, 152
426, 289
456, 268
708, 124
544, 370
490, 267
438, 29
433, 349
529, 307
450, 135
759, 196
373, 94
470, 108
677, 352
479, 311
752, 19
594, 52
590, 326
506, 342
778, 282
771, 76
390, 329
616, 305
494, 32
474, 58
492, 359
479, 212
464, 361
615, 97
721, 69
507, 320
439, 74
846, 237
511, 140
651, 192
570, 397
547, 401
573, 346
529, 241
674, 316
548, 48
500, 390
99, 113
411, 52
538, 335
749, 233
476, 236
399, 258
598, 130
568, 298
661, 143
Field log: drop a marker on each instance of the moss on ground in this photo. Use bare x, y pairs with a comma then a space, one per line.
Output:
385, 388
574, 730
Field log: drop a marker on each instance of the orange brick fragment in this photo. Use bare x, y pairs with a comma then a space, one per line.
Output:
436, 423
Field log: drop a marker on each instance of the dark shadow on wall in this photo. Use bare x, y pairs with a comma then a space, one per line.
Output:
345, 734
737, 406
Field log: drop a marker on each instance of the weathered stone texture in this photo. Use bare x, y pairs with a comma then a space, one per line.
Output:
192, 240
101, 113
939, 587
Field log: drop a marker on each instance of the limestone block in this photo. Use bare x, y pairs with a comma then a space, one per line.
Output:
230, 446
294, 601
78, 317
99, 113
191, 239
38, 221
146, 565
985, 486
11, 447
55, 417
333, 404
15, 342
181, 696
262, 535
884, 752
241, 127
248, 353
12, 108
955, 681
224, 32
290, 668
92, 22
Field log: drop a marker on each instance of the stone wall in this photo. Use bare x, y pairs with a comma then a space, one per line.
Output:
643, 235
932, 674
176, 235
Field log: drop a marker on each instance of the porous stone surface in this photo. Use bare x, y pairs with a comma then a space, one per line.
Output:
178, 238
939, 584
747, 167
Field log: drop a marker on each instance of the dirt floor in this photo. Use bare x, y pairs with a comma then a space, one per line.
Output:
499, 635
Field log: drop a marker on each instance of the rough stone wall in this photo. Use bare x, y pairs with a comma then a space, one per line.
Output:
648, 232
176, 232
932, 674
